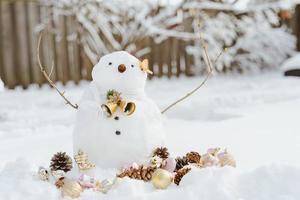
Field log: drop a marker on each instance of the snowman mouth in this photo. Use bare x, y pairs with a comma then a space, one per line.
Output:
121, 68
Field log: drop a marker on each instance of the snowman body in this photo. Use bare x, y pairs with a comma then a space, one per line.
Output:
121, 139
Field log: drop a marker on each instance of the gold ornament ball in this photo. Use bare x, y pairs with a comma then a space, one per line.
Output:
71, 189
161, 179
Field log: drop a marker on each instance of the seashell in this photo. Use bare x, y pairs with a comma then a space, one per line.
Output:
170, 164
71, 188
43, 174
226, 159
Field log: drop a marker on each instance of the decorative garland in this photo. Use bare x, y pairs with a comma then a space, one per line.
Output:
162, 170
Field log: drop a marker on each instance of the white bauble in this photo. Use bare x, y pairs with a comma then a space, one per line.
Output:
119, 140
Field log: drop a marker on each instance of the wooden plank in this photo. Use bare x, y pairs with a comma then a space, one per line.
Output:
178, 56
62, 50
159, 59
86, 65
1, 58
155, 58
28, 43
151, 56
52, 43
7, 12
22, 44
188, 60
33, 20
174, 51
48, 42
297, 25
169, 56
73, 49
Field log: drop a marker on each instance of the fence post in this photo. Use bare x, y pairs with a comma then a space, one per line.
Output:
73, 49
1, 58
33, 20
168, 55
62, 50
7, 11
23, 62
297, 25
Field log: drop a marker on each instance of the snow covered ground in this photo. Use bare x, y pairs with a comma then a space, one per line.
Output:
255, 117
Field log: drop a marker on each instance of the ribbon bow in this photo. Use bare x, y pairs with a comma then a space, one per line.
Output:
144, 65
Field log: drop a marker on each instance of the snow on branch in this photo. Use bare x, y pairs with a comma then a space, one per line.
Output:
253, 34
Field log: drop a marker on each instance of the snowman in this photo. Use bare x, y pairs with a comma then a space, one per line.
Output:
117, 123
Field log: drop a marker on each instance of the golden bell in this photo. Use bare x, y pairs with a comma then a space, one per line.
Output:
109, 108
129, 108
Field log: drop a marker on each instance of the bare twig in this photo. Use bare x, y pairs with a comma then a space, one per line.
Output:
210, 69
219, 55
62, 94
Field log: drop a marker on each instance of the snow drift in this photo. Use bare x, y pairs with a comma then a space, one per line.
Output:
273, 182
256, 118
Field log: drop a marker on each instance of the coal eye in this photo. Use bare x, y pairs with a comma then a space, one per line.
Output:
109, 63
132, 65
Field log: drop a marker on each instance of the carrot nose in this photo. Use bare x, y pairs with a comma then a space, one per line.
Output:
121, 68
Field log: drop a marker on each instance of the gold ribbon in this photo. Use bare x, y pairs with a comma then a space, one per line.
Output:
144, 65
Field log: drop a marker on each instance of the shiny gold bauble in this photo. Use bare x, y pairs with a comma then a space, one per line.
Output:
71, 188
161, 179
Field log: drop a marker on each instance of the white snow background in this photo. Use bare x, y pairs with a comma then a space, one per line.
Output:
256, 117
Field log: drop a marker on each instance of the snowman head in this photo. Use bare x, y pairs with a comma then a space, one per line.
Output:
120, 71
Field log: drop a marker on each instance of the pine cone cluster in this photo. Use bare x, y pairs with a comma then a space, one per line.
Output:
181, 162
193, 157
179, 174
161, 152
61, 161
141, 173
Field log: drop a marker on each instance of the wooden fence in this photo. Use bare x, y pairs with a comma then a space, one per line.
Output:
20, 23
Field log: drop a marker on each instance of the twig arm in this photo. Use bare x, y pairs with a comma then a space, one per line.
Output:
62, 94
209, 73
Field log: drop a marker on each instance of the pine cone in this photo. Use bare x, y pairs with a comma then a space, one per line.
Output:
181, 162
193, 157
161, 152
140, 173
179, 174
61, 161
